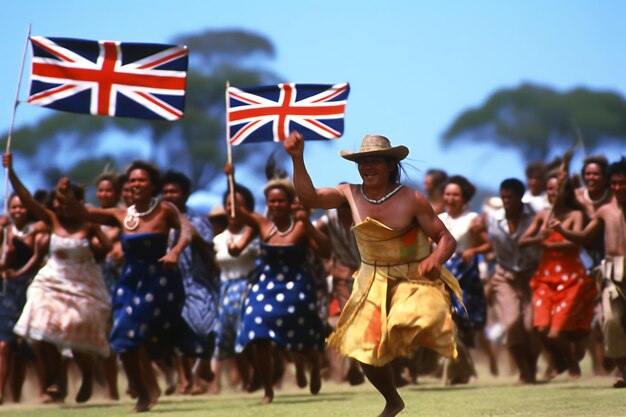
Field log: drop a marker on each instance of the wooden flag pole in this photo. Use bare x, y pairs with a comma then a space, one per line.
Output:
5, 235
229, 151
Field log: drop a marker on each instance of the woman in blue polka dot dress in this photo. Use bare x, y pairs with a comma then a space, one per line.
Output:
148, 299
280, 308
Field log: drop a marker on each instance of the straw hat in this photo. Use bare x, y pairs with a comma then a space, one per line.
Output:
376, 145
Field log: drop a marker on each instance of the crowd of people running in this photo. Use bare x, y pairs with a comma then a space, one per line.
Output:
252, 299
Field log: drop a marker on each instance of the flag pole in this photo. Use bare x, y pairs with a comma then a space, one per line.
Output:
17, 91
229, 151
5, 237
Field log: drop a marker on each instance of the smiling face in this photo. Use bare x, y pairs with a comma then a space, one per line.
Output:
453, 198
141, 186
18, 212
106, 194
278, 205
173, 193
594, 179
374, 170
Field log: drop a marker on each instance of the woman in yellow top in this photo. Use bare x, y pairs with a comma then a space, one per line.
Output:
399, 301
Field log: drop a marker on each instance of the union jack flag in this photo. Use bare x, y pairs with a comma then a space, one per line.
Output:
109, 78
266, 113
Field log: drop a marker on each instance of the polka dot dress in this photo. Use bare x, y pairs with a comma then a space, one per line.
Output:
563, 294
281, 302
148, 301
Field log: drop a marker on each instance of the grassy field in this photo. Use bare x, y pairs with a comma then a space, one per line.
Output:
588, 397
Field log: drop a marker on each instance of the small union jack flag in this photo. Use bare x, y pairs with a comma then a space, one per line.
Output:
266, 113
109, 78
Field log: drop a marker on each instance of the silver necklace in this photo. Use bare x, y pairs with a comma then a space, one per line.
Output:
599, 200
383, 198
286, 232
20, 234
131, 221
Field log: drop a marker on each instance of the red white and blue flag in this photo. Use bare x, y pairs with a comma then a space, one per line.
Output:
269, 113
109, 78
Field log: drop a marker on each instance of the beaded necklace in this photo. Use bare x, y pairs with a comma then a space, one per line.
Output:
383, 198
274, 230
599, 200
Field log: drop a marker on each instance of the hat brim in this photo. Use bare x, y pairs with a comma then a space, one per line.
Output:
397, 152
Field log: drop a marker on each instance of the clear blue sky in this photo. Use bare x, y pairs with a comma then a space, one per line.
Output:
413, 66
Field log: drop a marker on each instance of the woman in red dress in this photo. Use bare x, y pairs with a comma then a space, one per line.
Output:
563, 294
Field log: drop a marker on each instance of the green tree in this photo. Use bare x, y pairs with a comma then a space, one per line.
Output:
536, 119
195, 144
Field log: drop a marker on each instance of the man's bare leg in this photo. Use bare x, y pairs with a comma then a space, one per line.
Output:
382, 379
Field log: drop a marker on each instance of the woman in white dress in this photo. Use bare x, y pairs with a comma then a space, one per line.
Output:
460, 221
67, 304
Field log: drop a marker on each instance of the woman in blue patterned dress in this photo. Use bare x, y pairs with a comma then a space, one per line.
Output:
280, 308
149, 297
22, 258
457, 194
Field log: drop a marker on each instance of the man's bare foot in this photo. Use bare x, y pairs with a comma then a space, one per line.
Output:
392, 408
84, 393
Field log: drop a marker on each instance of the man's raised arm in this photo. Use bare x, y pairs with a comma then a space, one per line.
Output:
311, 197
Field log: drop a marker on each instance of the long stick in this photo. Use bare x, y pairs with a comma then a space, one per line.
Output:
231, 179
5, 235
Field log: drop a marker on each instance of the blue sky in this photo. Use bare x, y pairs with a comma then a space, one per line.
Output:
413, 66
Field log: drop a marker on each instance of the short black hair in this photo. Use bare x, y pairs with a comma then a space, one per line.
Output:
176, 177
618, 167
248, 198
514, 185
153, 172
77, 190
112, 177
599, 160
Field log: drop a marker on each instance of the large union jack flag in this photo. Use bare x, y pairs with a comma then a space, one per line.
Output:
266, 113
109, 78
